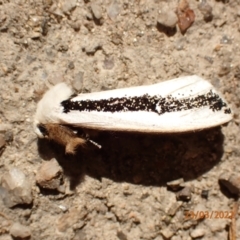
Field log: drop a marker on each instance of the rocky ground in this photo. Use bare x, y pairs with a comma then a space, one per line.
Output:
138, 186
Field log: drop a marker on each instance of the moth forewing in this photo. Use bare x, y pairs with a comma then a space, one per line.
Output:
179, 105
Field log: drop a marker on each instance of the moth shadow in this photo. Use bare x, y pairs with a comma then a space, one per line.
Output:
146, 159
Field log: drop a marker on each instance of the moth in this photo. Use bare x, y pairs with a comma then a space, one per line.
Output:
182, 104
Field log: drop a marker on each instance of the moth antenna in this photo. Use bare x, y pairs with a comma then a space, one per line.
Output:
95, 144
87, 137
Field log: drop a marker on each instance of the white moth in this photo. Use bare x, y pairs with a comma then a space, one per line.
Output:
179, 105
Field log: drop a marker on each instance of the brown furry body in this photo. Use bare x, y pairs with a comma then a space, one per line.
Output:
63, 135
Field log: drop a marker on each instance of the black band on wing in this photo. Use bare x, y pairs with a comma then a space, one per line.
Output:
148, 103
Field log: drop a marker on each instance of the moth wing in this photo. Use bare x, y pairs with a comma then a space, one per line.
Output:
144, 121
148, 122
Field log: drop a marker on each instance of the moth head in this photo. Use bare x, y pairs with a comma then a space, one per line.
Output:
47, 106
41, 130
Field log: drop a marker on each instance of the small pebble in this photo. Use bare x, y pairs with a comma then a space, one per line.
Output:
62, 47
116, 38
20, 231
75, 25
180, 44
49, 175
232, 183
186, 16
92, 47
8, 136
108, 63
167, 233
176, 184
184, 194
56, 10
35, 35
121, 235
63, 208
44, 26
237, 72
73, 216
204, 194
55, 78
185, 20
18, 189
96, 10
114, 9
71, 65
174, 208
226, 40
80, 235
197, 233
206, 10
224, 69
209, 59
77, 82
68, 5
168, 19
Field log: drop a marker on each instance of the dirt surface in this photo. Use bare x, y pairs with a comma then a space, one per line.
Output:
124, 190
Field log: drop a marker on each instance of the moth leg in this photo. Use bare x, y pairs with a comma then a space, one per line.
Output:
63, 135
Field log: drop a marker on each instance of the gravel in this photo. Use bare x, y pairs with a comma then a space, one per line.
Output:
128, 189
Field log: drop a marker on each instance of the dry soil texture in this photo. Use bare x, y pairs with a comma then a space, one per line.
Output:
118, 192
